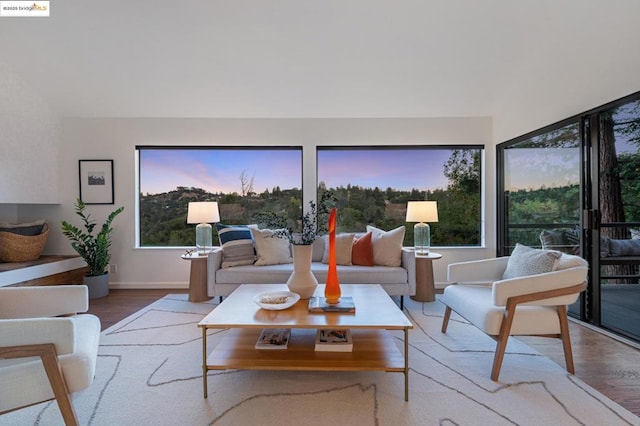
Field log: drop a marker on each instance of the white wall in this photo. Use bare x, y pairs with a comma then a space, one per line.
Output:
29, 135
162, 268
589, 69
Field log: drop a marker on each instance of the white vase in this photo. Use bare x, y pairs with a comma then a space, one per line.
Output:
302, 281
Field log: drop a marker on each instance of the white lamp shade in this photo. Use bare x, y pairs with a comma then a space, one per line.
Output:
422, 211
203, 212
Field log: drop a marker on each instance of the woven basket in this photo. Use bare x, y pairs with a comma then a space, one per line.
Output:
22, 248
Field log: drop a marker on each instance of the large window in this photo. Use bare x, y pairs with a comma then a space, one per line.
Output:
371, 185
244, 181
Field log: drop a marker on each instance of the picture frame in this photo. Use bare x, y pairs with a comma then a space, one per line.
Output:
96, 181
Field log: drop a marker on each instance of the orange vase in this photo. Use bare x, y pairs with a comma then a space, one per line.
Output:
332, 289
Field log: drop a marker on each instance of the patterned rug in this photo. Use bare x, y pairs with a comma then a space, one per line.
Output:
149, 372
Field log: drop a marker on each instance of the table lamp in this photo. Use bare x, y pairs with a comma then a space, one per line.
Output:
203, 213
421, 212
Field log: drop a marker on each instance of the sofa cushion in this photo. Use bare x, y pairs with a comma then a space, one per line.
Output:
387, 245
624, 247
530, 261
237, 245
362, 274
344, 245
271, 248
277, 274
362, 251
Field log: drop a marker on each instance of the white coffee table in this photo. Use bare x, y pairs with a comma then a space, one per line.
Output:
374, 349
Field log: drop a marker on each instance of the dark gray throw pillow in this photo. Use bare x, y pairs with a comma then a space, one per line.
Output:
624, 247
28, 231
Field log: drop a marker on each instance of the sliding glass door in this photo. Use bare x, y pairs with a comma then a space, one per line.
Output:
575, 187
540, 191
617, 288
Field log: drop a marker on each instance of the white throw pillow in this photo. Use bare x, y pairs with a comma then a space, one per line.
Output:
387, 245
567, 261
270, 249
529, 261
344, 244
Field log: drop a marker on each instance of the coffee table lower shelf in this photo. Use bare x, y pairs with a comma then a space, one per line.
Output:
373, 350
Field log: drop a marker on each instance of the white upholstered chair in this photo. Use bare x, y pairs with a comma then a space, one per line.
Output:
47, 350
533, 305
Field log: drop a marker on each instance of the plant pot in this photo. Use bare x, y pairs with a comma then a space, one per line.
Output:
302, 281
98, 286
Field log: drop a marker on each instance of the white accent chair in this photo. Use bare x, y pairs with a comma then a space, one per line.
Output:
533, 305
47, 350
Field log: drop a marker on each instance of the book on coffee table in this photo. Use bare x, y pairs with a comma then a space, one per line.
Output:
274, 338
333, 340
319, 304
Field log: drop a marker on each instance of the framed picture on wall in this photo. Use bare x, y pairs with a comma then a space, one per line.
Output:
96, 181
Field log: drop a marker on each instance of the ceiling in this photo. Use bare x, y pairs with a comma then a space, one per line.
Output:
300, 58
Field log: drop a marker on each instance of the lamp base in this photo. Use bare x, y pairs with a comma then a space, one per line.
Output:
421, 238
204, 238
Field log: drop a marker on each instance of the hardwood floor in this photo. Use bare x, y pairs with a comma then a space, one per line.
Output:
119, 304
606, 364
610, 366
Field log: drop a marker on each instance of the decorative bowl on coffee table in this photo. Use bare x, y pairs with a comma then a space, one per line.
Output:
276, 300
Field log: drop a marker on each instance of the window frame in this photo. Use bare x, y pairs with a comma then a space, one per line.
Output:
421, 147
138, 172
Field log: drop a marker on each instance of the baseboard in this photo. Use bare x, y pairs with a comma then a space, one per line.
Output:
147, 286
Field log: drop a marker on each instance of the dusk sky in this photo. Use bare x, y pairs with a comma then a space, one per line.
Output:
398, 169
219, 170
531, 168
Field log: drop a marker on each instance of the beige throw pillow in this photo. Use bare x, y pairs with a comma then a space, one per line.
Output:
270, 249
387, 245
344, 244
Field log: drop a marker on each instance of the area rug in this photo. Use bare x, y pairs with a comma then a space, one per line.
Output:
149, 373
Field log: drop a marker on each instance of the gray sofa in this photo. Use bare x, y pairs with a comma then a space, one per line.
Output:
396, 280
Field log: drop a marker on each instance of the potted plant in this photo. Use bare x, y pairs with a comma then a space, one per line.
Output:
94, 249
313, 223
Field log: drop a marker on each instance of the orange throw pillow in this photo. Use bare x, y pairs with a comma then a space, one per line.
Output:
362, 250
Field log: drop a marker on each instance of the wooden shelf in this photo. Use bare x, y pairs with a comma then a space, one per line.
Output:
47, 270
373, 350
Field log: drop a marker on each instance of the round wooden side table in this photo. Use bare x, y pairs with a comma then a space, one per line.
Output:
197, 277
425, 287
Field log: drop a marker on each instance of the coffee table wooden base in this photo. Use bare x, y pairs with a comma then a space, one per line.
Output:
373, 350
374, 347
